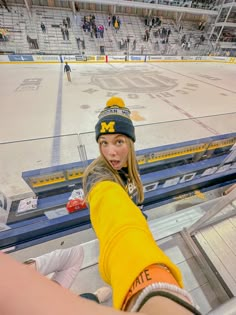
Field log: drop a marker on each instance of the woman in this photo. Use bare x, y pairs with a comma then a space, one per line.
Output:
130, 261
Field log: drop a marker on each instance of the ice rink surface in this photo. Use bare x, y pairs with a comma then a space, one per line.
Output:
37, 101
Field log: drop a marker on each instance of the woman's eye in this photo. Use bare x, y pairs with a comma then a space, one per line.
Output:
103, 143
119, 142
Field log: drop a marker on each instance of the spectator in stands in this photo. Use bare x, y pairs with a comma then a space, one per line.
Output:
99, 31
183, 39
93, 21
94, 29
150, 25
91, 32
67, 33
146, 21
163, 33
43, 27
146, 35
202, 39
67, 69
116, 25
62, 27
68, 21
101, 27
83, 43
134, 44
113, 20
78, 40
119, 22
64, 22
156, 23
109, 20
121, 43
3, 34
153, 21
89, 18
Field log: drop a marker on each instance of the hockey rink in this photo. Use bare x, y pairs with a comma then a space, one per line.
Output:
42, 114
169, 102
37, 101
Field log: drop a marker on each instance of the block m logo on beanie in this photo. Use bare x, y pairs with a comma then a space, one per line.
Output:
107, 127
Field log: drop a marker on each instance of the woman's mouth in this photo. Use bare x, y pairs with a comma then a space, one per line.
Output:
115, 164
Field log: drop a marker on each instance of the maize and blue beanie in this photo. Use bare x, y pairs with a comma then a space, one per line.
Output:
115, 118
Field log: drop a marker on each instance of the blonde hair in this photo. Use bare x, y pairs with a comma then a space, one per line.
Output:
101, 170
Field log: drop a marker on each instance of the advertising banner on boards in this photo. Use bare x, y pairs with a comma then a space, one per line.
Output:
137, 58
100, 58
73, 58
80, 58
22, 58
4, 58
46, 58
116, 58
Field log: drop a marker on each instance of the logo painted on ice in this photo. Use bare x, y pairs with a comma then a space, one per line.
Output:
135, 81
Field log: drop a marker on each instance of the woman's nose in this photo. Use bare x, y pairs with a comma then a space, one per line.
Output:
111, 150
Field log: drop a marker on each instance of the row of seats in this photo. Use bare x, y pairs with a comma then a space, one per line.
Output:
22, 24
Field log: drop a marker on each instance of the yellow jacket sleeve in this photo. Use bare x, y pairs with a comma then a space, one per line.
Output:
127, 246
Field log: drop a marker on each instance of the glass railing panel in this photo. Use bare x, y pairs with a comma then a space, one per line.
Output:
170, 132
26, 167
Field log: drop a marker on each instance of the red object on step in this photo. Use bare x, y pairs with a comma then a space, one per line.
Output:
75, 205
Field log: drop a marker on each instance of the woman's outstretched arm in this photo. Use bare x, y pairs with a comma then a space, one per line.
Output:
24, 291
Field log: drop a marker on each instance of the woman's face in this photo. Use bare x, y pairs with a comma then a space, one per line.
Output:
115, 149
